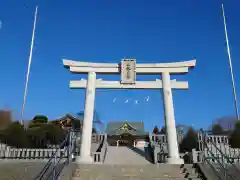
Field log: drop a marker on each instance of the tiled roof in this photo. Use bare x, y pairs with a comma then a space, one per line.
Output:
79, 116
114, 127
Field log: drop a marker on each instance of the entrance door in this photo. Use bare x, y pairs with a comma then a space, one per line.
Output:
126, 140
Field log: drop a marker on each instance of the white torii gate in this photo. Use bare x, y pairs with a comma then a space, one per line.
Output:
128, 70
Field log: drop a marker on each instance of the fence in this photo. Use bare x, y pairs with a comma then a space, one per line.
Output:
8, 152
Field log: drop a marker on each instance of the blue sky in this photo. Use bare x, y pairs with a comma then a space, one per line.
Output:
106, 31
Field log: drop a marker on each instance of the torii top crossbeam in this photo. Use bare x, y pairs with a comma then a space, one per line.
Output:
128, 68
115, 68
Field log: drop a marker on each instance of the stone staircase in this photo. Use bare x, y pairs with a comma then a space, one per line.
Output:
134, 172
128, 163
126, 155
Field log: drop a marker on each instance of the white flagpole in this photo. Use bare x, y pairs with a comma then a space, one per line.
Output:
230, 64
29, 65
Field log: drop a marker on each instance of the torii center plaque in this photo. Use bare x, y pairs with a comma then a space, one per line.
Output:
128, 71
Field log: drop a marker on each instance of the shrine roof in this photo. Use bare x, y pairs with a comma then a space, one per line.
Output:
72, 116
121, 127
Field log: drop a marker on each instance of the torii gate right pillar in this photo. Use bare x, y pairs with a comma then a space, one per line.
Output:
173, 152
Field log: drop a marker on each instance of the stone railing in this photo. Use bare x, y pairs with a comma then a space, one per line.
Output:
158, 143
8, 152
96, 157
98, 151
215, 147
104, 149
158, 152
96, 138
230, 155
99, 157
162, 138
216, 159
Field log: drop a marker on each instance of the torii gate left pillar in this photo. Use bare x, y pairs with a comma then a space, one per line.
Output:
86, 138
128, 71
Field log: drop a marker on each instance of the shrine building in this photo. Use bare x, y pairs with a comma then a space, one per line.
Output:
125, 133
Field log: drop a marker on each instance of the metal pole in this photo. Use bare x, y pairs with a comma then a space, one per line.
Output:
29, 65
230, 64
70, 146
55, 164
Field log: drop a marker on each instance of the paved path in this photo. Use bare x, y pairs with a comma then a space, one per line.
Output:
124, 155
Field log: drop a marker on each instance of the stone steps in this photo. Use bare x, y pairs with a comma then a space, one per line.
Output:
133, 172
128, 178
125, 155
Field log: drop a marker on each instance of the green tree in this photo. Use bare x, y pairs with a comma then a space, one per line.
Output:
234, 140
41, 132
37, 129
217, 129
54, 134
237, 125
16, 136
37, 135
38, 120
155, 130
189, 142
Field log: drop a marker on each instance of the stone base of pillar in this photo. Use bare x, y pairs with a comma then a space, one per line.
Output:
174, 161
84, 160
